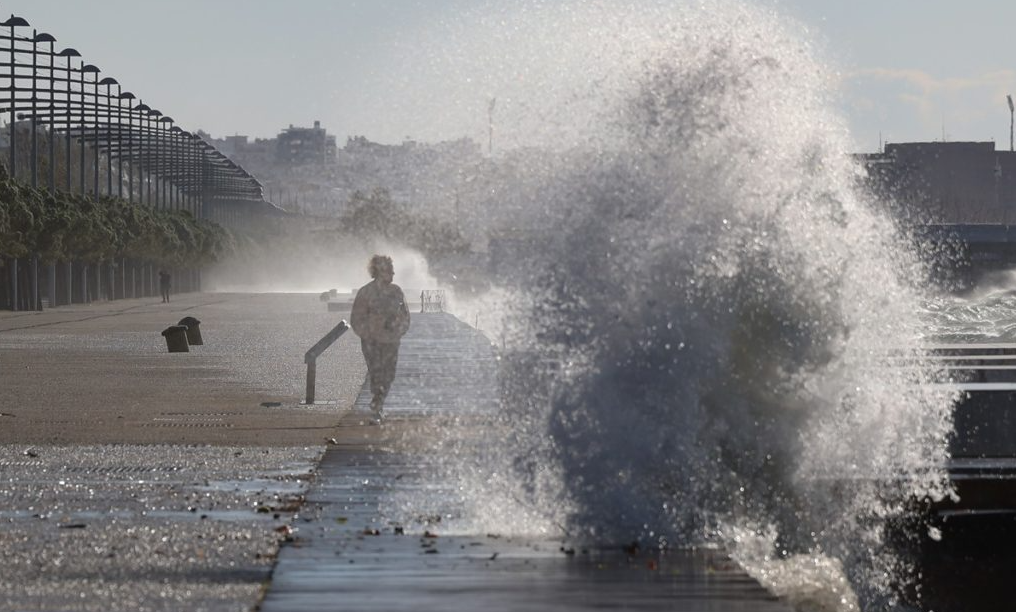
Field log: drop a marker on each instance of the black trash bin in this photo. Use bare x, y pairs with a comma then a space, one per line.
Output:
176, 339
193, 330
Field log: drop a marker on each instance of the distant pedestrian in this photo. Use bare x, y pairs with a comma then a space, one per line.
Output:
165, 281
380, 317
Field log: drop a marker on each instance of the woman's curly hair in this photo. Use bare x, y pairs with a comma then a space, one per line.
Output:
378, 263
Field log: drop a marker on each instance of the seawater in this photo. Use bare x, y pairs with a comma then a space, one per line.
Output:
702, 307
984, 314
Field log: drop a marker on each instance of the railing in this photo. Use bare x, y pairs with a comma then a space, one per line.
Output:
310, 358
432, 300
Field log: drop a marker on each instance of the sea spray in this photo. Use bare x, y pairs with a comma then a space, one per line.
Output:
702, 305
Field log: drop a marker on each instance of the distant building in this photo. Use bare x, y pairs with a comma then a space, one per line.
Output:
300, 146
952, 194
303, 169
946, 182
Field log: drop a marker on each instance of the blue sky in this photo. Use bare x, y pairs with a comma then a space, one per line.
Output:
907, 69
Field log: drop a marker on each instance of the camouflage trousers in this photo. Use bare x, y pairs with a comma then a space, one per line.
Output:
381, 357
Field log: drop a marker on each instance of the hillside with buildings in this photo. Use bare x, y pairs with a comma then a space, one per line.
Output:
303, 170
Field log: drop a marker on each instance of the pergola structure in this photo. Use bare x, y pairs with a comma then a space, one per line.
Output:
102, 139
58, 93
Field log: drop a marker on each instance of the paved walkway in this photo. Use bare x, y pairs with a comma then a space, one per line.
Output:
110, 500
100, 373
348, 556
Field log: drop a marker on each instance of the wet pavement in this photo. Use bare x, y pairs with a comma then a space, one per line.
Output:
350, 554
130, 527
101, 373
134, 479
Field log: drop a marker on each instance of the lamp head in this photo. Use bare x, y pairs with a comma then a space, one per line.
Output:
14, 22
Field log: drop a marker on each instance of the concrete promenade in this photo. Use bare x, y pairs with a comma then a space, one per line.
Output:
101, 373
135, 479
350, 554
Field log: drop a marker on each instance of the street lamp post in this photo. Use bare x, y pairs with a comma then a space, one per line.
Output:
154, 170
189, 169
36, 39
51, 91
87, 68
128, 96
1011, 108
166, 125
95, 134
180, 159
68, 54
12, 23
32, 119
119, 139
144, 195
109, 82
51, 183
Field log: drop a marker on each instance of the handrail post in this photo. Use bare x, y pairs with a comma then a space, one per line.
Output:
310, 358
311, 376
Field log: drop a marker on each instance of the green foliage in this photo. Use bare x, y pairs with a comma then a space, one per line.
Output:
70, 226
376, 214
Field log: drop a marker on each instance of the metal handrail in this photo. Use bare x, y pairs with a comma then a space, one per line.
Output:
310, 358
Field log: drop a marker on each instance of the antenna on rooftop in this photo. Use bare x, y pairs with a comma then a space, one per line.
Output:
1009, 99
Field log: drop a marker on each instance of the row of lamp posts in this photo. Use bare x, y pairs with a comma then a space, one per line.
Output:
174, 169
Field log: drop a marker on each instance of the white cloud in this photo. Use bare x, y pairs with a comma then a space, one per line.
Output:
928, 84
918, 105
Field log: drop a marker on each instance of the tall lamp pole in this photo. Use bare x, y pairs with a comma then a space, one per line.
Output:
91, 69
144, 142
1009, 99
166, 122
68, 54
37, 38
108, 109
52, 109
51, 284
95, 134
128, 96
156, 172
35, 111
12, 23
